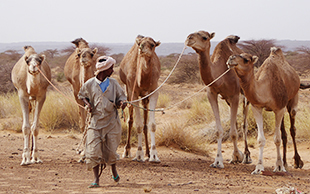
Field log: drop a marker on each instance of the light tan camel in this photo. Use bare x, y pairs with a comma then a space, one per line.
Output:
227, 86
79, 67
274, 87
141, 65
31, 86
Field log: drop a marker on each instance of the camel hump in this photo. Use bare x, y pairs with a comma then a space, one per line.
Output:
79, 42
277, 52
233, 39
29, 50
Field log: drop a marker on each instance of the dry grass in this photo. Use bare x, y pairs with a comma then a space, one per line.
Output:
163, 101
59, 111
192, 131
176, 134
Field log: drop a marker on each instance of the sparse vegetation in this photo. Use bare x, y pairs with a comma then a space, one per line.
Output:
60, 113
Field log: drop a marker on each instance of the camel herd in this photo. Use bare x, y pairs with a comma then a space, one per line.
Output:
273, 88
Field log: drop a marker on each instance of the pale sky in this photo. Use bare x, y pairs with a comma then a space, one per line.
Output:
120, 21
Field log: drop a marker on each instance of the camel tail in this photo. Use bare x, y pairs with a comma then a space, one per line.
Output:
304, 86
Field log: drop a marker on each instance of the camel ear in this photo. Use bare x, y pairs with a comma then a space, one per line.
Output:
95, 50
254, 59
77, 52
212, 35
25, 48
138, 39
157, 43
42, 58
26, 58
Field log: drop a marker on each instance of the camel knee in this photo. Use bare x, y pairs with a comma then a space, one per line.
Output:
261, 141
233, 135
139, 129
277, 141
26, 131
153, 127
219, 134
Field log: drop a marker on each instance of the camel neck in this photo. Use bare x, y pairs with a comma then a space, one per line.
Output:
249, 86
205, 66
144, 70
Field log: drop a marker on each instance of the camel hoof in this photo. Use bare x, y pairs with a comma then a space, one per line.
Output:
25, 163
247, 160
299, 164
126, 154
38, 161
139, 159
217, 165
154, 160
257, 171
279, 169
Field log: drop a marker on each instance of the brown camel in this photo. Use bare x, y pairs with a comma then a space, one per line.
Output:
227, 86
79, 67
140, 71
31, 86
274, 87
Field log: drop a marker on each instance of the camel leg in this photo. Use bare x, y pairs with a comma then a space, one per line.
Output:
292, 106
152, 126
279, 115
237, 155
284, 142
261, 140
127, 147
139, 125
218, 163
34, 129
247, 158
24, 102
145, 104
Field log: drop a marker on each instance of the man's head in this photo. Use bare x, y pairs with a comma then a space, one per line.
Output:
104, 63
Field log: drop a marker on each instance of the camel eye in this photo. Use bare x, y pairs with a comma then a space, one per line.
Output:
204, 38
152, 45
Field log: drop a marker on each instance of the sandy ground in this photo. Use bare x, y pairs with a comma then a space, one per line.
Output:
178, 172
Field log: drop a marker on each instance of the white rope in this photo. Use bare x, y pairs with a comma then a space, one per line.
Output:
164, 81
199, 90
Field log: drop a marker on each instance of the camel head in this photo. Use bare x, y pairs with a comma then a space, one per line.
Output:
199, 41
34, 61
242, 63
146, 45
86, 56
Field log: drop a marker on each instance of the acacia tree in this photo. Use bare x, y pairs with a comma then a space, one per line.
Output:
51, 52
299, 59
260, 48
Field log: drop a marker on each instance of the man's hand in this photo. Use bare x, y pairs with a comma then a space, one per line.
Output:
122, 104
87, 105
88, 108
